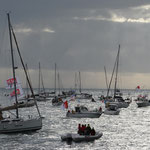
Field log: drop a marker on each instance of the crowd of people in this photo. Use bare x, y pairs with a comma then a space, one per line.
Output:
85, 130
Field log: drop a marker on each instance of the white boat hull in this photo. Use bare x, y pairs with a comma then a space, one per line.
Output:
143, 104
13, 126
119, 104
112, 112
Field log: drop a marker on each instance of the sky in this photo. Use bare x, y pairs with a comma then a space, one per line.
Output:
78, 35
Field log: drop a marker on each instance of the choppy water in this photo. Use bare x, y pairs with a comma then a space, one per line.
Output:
128, 131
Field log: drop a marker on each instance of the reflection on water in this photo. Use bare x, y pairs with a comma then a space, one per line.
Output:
130, 130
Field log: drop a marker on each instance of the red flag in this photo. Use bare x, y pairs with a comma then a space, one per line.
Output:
66, 104
13, 93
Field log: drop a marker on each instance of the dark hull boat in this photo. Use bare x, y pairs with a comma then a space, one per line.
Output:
81, 138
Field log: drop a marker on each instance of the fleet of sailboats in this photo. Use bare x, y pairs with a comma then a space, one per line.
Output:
19, 123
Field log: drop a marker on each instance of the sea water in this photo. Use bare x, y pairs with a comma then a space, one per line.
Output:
130, 130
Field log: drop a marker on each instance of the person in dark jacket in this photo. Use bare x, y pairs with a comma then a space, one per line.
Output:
1, 115
79, 129
92, 131
88, 130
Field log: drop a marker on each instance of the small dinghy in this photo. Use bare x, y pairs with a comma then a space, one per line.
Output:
67, 137
85, 134
112, 109
81, 138
142, 101
57, 101
86, 138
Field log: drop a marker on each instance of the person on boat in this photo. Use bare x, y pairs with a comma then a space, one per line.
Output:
92, 131
59, 99
83, 129
88, 130
107, 105
73, 111
79, 129
77, 109
100, 109
1, 115
93, 100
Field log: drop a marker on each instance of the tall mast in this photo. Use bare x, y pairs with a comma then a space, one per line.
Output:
79, 82
106, 78
55, 79
75, 81
27, 87
112, 75
58, 82
116, 70
25, 70
42, 82
13, 66
39, 77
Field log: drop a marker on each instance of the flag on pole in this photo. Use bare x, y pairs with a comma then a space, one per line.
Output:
64, 105
138, 87
10, 83
19, 92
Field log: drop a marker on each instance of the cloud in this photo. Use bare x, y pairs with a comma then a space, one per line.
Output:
86, 37
48, 30
139, 14
114, 18
142, 7
23, 30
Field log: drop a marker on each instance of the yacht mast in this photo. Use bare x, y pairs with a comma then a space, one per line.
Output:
24, 68
55, 79
79, 82
39, 78
116, 71
13, 65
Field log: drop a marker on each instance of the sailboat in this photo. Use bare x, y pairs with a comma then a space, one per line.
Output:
82, 95
18, 124
56, 101
117, 98
27, 100
41, 96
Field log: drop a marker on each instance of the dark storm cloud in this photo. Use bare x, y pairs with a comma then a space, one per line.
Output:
76, 43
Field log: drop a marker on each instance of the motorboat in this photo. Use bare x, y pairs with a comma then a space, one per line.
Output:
112, 109
81, 138
42, 98
83, 96
83, 112
57, 101
142, 101
119, 101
